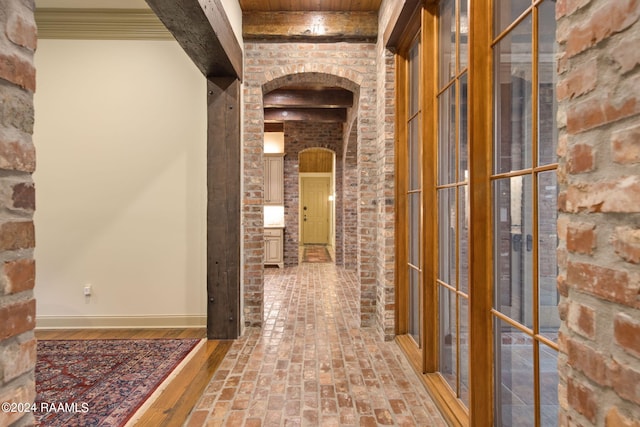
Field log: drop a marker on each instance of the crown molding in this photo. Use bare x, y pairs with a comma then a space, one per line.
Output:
100, 24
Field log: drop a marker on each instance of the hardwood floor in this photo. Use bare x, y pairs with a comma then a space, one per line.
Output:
175, 403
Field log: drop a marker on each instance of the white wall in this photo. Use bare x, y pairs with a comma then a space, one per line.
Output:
121, 191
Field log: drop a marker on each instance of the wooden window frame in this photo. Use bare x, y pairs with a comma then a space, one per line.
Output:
401, 164
480, 124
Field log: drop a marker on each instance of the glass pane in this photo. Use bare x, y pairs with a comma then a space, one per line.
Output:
414, 229
447, 40
464, 34
414, 155
414, 304
513, 228
507, 11
447, 236
514, 99
547, 260
463, 244
547, 105
414, 78
548, 386
463, 134
447, 137
464, 350
447, 336
514, 368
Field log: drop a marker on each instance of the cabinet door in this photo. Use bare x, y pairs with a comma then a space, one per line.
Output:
273, 180
272, 250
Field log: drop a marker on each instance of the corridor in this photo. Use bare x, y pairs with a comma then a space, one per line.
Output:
311, 364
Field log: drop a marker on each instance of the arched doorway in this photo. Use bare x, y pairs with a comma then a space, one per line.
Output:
317, 209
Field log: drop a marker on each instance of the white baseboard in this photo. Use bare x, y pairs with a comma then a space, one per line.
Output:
126, 322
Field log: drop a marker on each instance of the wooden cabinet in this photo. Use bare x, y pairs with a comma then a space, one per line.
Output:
274, 179
273, 252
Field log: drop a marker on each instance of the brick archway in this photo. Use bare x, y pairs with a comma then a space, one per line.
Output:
266, 71
302, 136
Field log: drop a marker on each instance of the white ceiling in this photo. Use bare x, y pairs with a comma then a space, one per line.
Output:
91, 4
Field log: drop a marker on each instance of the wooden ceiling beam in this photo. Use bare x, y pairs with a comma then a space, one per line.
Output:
204, 32
274, 127
302, 5
312, 26
321, 115
326, 98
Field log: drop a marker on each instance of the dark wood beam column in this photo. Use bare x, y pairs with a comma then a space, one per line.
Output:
205, 34
311, 26
223, 208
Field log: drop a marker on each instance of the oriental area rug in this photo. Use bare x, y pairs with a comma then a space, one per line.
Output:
315, 253
101, 382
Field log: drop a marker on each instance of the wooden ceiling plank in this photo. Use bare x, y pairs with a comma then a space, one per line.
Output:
312, 98
311, 26
321, 115
309, 5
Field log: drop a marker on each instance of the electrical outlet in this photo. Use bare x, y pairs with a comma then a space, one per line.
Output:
87, 290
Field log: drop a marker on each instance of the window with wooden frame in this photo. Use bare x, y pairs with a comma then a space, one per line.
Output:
477, 303
409, 221
452, 187
524, 193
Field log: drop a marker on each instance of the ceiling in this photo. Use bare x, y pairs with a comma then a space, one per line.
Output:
310, 5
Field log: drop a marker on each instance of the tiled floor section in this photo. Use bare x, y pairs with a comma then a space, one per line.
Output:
311, 364
315, 253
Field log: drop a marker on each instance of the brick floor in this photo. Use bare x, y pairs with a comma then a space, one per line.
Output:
312, 365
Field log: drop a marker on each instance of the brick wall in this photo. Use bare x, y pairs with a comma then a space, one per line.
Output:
599, 204
385, 167
269, 66
349, 224
17, 203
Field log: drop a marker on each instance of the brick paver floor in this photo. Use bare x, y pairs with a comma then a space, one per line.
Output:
312, 365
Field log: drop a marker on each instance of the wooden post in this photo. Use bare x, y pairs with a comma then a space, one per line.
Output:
223, 208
